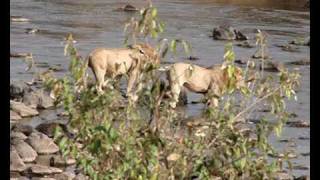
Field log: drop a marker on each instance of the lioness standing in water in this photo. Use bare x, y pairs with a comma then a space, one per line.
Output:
115, 62
200, 80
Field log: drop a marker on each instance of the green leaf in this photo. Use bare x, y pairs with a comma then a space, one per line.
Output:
154, 12
173, 45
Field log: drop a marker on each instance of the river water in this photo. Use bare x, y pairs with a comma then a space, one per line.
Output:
95, 23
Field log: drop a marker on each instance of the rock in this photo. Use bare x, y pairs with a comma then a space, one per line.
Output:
300, 167
14, 116
16, 163
18, 89
226, 32
298, 124
258, 55
65, 176
301, 41
300, 62
240, 61
18, 135
43, 170
303, 177
56, 68
19, 178
271, 66
43, 178
31, 30
42, 143
20, 55
245, 44
25, 151
55, 160
25, 129
192, 58
38, 99
282, 176
289, 48
18, 19
128, 8
49, 129
80, 176
22, 109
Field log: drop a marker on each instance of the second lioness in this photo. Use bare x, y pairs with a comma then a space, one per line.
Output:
114, 62
200, 80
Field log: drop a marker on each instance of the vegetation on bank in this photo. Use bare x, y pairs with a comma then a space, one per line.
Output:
146, 139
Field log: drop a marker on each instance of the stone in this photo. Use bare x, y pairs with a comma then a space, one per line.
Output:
282, 176
49, 128
25, 129
16, 163
80, 176
303, 177
18, 89
19, 178
14, 116
128, 8
245, 44
272, 66
18, 135
42, 143
38, 99
65, 176
55, 160
300, 62
22, 109
226, 32
298, 124
25, 151
43, 170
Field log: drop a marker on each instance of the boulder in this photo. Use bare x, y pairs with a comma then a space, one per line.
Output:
18, 135
49, 128
25, 129
18, 89
38, 99
16, 163
25, 151
22, 109
14, 116
65, 176
42, 143
43, 170
226, 32
128, 8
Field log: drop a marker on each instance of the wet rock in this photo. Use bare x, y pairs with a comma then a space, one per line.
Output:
18, 89
14, 116
305, 154
42, 64
240, 61
245, 44
16, 163
304, 177
304, 138
43, 170
272, 66
42, 143
258, 55
282, 176
300, 167
289, 48
226, 32
192, 58
31, 30
65, 176
128, 8
298, 124
20, 55
80, 176
55, 160
19, 178
22, 109
38, 99
25, 129
25, 151
56, 68
49, 129
18, 135
300, 62
301, 41
18, 19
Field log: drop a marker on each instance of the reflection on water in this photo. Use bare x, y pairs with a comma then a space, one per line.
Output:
95, 23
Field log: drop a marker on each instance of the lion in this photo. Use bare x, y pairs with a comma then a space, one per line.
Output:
115, 62
202, 80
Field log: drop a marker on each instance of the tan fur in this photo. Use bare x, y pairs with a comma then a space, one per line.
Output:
199, 80
114, 62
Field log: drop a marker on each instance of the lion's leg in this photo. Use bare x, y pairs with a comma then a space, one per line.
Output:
214, 93
175, 92
99, 74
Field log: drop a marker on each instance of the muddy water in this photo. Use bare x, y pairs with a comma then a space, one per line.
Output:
95, 23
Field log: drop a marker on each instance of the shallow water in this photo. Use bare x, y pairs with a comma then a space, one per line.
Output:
95, 23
